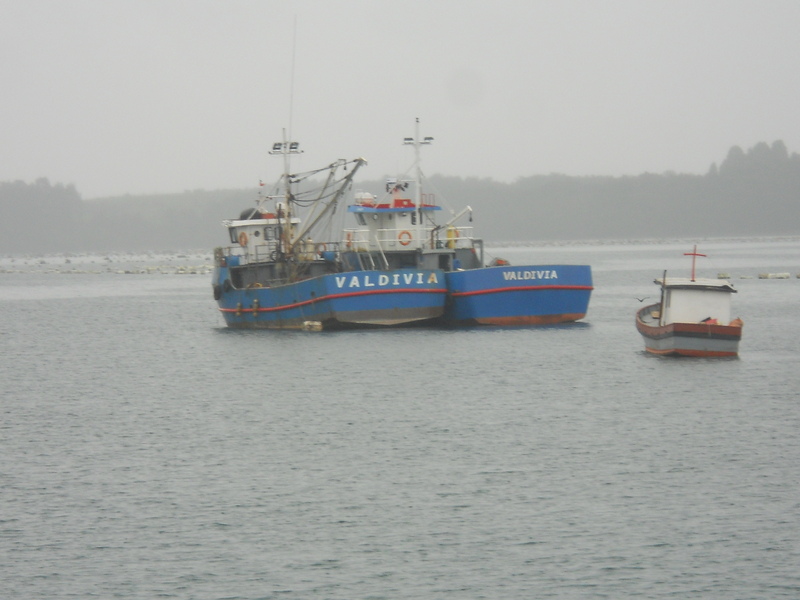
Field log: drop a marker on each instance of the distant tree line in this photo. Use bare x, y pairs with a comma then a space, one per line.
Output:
753, 193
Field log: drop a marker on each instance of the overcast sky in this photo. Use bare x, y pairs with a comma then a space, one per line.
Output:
141, 96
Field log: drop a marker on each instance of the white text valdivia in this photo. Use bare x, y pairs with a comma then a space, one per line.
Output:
529, 274
384, 280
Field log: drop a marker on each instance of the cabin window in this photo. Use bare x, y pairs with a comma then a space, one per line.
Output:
256, 233
414, 218
234, 238
269, 233
360, 218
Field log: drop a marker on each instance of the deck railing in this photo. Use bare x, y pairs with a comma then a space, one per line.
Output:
389, 240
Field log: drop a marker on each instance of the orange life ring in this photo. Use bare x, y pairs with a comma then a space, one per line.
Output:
243, 239
404, 237
349, 242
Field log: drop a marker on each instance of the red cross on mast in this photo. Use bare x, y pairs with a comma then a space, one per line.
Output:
694, 254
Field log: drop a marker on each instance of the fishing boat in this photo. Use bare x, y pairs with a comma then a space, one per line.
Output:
401, 264
693, 317
278, 274
405, 228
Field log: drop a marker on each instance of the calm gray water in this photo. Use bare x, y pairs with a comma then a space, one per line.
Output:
148, 452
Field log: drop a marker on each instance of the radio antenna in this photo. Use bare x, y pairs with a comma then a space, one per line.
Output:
291, 84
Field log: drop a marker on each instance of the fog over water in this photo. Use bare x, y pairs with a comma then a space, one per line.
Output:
160, 97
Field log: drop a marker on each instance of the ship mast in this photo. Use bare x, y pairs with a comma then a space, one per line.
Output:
694, 254
416, 142
286, 148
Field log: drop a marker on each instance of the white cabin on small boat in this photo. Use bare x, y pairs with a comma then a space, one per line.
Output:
695, 301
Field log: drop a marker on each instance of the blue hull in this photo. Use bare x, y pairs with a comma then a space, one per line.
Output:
355, 299
518, 295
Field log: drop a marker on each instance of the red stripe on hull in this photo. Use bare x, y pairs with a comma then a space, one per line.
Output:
333, 297
700, 330
524, 288
693, 353
531, 320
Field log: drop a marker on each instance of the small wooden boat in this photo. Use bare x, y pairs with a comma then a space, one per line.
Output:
693, 317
